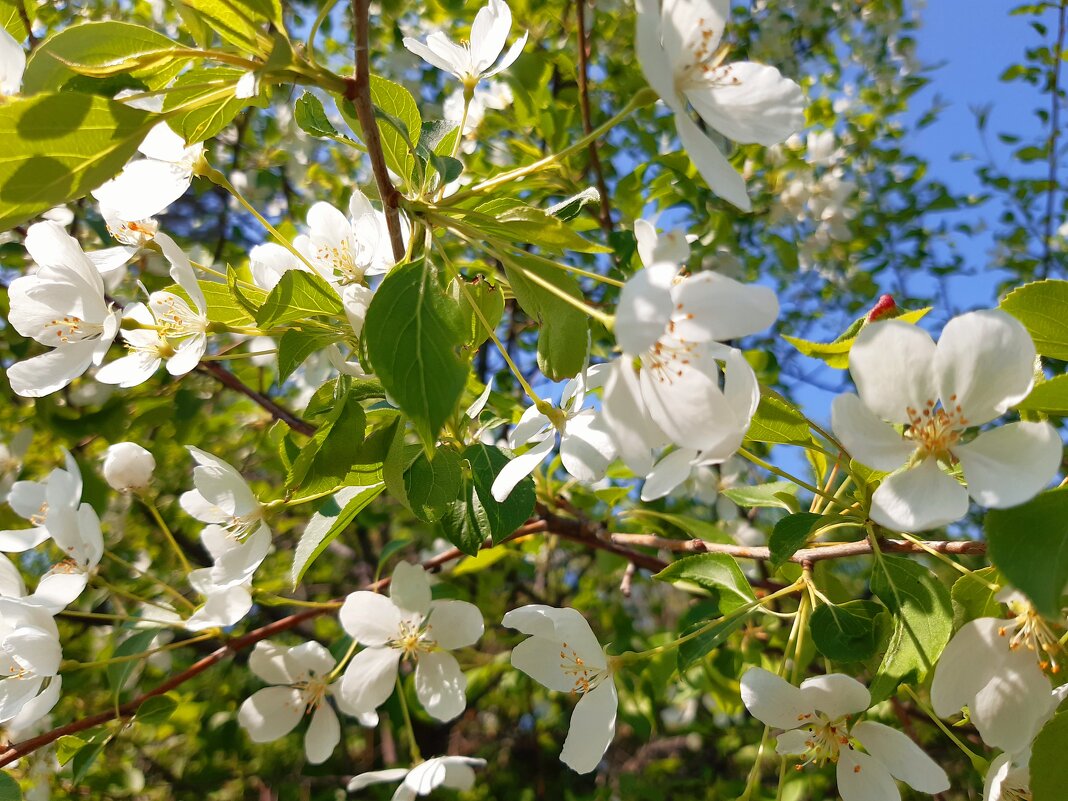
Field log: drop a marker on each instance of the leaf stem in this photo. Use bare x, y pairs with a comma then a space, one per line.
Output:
167, 533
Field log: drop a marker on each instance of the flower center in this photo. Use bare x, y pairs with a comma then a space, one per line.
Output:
936, 430
825, 740
314, 693
133, 233
38, 518
178, 320
707, 57
668, 357
413, 639
573, 666
74, 329
1030, 630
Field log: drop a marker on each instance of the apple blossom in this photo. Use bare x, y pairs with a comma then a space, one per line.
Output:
995, 668
454, 772
679, 48
62, 305
982, 365
815, 720
30, 654
345, 250
128, 466
301, 683
12, 64
147, 186
563, 654
472, 61
132, 238
586, 447
33, 500
408, 625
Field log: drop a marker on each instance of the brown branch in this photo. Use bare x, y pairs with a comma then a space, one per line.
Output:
228, 379
359, 92
605, 216
818, 553
30, 38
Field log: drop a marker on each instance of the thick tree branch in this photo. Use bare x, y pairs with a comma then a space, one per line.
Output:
605, 214
359, 92
818, 553
228, 379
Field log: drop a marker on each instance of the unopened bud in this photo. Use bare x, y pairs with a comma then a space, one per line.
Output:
128, 466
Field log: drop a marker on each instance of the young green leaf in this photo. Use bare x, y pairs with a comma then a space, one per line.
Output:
329, 520
297, 295
1048, 767
789, 535
847, 632
1042, 307
296, 346
717, 573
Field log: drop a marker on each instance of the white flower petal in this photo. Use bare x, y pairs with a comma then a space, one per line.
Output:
489, 32
685, 400
967, 664
312, 659
749, 102
1010, 710
370, 618
1011, 464
773, 700
430, 57
440, 685
644, 308
514, 52
869, 439
22, 539
635, 433
985, 363
593, 725
369, 678
902, 757
836, 694
271, 713
668, 473
863, 778
455, 624
376, 777
269, 662
42, 375
892, 364
520, 467
12, 64
918, 499
221, 609
410, 589
59, 587
713, 306
36, 708
459, 773
565, 625
540, 659
654, 61
714, 167
586, 447
323, 735
144, 188
793, 741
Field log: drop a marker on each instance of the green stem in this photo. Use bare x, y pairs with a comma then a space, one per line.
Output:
129, 596
340, 666
752, 457
167, 533
120, 618
413, 746
980, 764
643, 98
72, 665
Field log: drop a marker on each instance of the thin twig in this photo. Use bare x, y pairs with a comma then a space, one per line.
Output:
359, 92
228, 379
818, 553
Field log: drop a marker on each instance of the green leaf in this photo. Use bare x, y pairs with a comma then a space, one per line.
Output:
248, 298
311, 118
698, 529
59, 147
399, 129
489, 301
763, 495
847, 632
100, 44
1049, 397
223, 307
119, 672
515, 221
790, 535
1029, 546
717, 573
295, 346
923, 617
208, 92
239, 21
1048, 767
464, 521
85, 758
973, 597
329, 520
570, 208
9, 788
503, 518
563, 330
778, 421
325, 461
67, 746
696, 649
433, 484
11, 18
157, 709
1042, 307
836, 354
296, 296
412, 333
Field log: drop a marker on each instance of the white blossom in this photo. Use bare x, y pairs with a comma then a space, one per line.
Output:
454, 772
408, 625
563, 654
30, 655
816, 723
128, 466
12, 64
982, 365
473, 60
679, 49
301, 685
62, 305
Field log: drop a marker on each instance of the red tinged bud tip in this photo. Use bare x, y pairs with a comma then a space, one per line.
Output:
882, 308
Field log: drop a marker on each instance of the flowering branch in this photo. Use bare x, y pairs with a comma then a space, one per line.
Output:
817, 553
359, 92
228, 379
